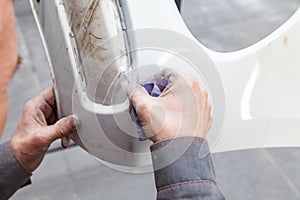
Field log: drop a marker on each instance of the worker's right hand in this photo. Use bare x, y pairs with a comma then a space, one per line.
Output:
183, 109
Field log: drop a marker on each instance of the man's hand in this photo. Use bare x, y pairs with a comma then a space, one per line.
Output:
36, 130
182, 109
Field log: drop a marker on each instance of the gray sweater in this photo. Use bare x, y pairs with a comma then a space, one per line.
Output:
183, 170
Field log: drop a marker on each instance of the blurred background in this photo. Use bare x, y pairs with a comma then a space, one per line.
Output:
221, 25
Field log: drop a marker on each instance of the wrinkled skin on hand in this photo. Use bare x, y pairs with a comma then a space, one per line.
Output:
183, 109
37, 130
8, 55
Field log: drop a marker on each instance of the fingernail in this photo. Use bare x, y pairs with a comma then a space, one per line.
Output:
74, 122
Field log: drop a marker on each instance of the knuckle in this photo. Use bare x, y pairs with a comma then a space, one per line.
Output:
133, 99
60, 128
143, 109
135, 94
42, 105
144, 113
172, 73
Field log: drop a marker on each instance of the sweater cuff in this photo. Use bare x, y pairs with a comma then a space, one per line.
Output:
182, 161
12, 174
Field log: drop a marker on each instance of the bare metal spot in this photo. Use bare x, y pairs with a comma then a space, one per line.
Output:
101, 54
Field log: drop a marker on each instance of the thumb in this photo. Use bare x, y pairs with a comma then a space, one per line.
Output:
63, 127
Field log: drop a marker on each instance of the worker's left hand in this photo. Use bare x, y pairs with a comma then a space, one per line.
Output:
37, 130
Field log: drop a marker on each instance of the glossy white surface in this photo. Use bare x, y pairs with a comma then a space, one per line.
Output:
261, 82
262, 91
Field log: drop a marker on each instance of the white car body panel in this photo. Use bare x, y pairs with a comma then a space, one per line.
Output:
261, 83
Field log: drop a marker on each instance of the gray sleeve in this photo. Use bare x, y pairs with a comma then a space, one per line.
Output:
184, 170
12, 174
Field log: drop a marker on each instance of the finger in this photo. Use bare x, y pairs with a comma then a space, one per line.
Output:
52, 119
169, 73
165, 72
65, 142
137, 94
45, 108
63, 128
48, 96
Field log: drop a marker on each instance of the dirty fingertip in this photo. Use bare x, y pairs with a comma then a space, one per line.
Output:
65, 142
74, 122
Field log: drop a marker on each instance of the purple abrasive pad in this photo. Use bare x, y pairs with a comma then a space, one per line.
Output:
154, 88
